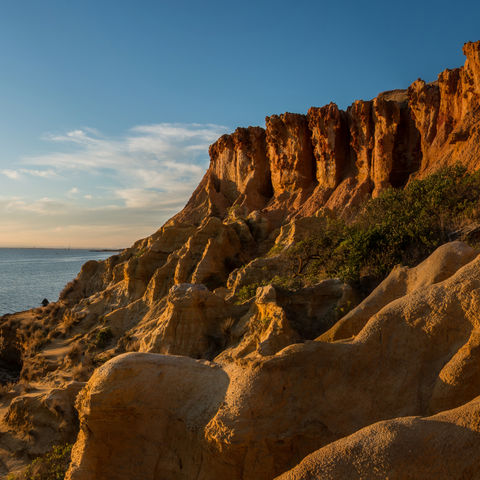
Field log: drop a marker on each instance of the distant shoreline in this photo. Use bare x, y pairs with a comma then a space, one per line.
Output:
65, 248
108, 250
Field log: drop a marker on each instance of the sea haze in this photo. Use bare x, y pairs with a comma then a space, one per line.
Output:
28, 275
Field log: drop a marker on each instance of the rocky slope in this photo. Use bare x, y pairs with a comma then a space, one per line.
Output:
197, 380
258, 416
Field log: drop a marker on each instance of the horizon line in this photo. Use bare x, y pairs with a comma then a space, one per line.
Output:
63, 248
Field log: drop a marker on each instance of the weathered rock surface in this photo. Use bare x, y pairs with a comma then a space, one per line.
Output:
165, 414
45, 417
290, 152
272, 411
192, 323
330, 140
240, 165
443, 263
442, 447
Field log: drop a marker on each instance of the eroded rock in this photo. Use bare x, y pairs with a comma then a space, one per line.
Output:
441, 447
274, 410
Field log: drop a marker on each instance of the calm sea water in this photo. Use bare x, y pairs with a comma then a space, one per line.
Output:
28, 275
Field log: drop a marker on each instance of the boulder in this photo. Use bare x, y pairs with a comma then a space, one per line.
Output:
442, 447
440, 265
143, 416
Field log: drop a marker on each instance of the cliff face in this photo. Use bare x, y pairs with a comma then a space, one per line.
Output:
259, 178
336, 158
240, 167
446, 114
179, 292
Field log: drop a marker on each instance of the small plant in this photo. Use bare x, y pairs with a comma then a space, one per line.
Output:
226, 328
235, 211
246, 292
128, 336
39, 339
68, 289
83, 370
103, 337
75, 352
343, 309
5, 388
261, 323
291, 282
275, 250
51, 466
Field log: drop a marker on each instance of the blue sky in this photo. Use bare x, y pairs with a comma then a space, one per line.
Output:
107, 107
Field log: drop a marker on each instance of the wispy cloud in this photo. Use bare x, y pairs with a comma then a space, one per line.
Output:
175, 146
49, 173
12, 174
133, 182
42, 206
162, 156
19, 173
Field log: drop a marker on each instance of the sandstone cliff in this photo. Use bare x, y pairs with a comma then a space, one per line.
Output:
259, 179
220, 385
257, 417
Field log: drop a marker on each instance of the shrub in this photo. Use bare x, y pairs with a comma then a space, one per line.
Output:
405, 226
400, 226
104, 335
247, 292
68, 289
51, 466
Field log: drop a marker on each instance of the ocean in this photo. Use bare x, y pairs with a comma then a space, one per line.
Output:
28, 275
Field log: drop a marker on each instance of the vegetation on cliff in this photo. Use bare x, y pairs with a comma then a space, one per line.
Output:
400, 226
51, 466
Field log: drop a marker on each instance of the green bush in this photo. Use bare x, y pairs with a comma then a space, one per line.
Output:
400, 226
104, 335
247, 292
51, 466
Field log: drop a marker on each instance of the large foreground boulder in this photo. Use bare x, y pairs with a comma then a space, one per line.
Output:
442, 447
143, 417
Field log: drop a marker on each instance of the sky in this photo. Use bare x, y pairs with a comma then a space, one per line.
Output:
107, 107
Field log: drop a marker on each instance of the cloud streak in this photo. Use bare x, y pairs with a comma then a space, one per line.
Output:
165, 157
148, 144
133, 182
